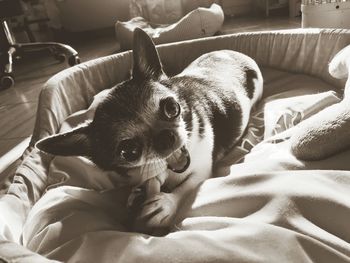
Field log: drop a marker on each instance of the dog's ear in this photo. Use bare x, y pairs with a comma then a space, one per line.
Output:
146, 59
75, 142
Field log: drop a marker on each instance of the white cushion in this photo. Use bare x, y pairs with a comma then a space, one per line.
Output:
201, 22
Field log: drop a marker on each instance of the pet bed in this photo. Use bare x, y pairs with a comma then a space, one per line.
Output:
201, 22
270, 208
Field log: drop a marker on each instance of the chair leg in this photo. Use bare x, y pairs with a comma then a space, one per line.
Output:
7, 79
9, 65
9, 36
58, 49
60, 52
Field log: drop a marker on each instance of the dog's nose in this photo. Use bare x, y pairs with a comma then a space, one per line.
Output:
164, 140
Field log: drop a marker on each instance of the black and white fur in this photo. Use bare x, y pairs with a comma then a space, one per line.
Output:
215, 93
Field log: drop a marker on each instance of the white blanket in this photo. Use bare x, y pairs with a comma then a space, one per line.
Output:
261, 212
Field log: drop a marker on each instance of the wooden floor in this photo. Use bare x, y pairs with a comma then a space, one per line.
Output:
18, 104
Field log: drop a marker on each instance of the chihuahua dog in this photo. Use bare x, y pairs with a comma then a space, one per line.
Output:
181, 124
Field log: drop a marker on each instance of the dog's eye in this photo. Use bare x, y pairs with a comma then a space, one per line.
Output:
170, 108
129, 150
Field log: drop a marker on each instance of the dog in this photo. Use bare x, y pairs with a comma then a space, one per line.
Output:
166, 133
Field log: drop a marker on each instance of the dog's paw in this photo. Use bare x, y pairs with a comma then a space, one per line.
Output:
159, 211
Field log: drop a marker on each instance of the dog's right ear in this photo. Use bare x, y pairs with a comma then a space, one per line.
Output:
146, 59
72, 143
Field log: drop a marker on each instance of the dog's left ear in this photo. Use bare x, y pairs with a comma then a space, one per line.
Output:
146, 59
72, 143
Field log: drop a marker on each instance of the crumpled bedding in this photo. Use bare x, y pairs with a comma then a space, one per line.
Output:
299, 216
255, 214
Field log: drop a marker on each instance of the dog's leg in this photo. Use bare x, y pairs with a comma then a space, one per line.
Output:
152, 188
161, 210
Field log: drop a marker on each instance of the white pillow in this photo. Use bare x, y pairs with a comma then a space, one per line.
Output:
201, 22
340, 65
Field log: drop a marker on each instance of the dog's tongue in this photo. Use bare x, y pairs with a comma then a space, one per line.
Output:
179, 161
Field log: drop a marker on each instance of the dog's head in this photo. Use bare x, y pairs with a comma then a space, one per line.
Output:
140, 121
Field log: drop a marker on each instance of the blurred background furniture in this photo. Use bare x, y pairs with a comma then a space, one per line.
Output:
326, 14
10, 50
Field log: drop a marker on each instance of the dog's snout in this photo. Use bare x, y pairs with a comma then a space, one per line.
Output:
165, 140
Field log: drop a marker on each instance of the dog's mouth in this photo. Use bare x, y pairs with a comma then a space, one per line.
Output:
179, 161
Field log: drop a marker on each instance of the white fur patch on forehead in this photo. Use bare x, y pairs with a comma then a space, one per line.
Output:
158, 93
146, 115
